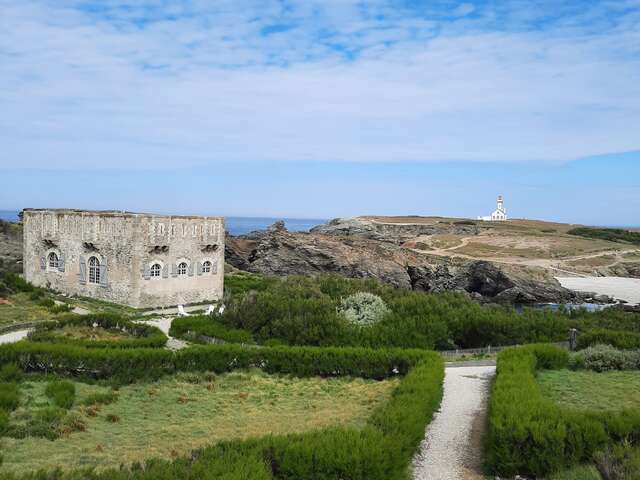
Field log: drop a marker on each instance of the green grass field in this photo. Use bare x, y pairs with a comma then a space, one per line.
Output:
177, 414
21, 309
610, 391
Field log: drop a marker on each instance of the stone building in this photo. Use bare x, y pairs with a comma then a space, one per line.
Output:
136, 259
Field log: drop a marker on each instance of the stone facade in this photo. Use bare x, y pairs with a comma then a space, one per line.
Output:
136, 259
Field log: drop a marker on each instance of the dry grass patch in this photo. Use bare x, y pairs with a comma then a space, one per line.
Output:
177, 414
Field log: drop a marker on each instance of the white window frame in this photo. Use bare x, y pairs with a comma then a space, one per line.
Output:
155, 272
182, 269
208, 265
93, 270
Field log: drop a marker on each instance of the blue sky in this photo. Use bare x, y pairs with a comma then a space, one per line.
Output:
323, 108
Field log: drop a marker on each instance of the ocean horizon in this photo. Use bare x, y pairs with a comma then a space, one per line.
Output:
234, 225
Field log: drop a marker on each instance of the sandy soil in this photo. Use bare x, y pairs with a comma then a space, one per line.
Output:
627, 289
452, 448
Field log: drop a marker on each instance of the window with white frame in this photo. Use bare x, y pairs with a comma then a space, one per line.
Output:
53, 260
94, 270
182, 268
156, 269
206, 266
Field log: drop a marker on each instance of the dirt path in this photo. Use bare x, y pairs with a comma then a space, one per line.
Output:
452, 449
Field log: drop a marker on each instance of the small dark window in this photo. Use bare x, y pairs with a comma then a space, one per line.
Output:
206, 267
182, 268
54, 261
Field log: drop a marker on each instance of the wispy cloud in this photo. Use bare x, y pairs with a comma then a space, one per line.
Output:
160, 84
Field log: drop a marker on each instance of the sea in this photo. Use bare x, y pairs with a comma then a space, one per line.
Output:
234, 225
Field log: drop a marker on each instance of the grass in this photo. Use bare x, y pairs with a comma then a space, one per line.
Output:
610, 391
22, 309
82, 332
601, 261
180, 413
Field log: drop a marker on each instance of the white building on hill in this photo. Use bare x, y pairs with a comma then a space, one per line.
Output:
500, 215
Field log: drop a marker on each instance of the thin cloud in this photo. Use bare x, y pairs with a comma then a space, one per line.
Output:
192, 83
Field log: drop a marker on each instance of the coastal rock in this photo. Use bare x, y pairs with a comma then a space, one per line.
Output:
279, 252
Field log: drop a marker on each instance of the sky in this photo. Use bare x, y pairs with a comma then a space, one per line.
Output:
321, 109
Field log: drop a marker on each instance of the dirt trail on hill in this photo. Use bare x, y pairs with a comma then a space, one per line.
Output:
452, 449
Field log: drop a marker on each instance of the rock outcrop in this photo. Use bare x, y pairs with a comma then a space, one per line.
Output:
362, 250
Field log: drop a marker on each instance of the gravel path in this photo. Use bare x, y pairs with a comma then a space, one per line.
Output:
164, 324
13, 337
627, 289
452, 449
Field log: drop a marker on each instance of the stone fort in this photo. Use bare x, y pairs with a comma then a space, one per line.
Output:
137, 259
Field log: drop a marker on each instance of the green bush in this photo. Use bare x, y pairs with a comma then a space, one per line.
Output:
601, 336
4, 422
10, 372
304, 311
15, 283
530, 434
62, 392
143, 336
100, 398
602, 358
9, 396
43, 422
610, 234
193, 327
363, 308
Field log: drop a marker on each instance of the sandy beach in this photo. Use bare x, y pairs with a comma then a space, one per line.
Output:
627, 289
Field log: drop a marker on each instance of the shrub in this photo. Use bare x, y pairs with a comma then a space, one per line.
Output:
530, 434
10, 372
191, 328
43, 422
9, 396
610, 234
363, 308
602, 358
100, 398
62, 392
620, 339
15, 283
4, 421
142, 335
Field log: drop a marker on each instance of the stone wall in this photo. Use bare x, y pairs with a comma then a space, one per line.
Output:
127, 245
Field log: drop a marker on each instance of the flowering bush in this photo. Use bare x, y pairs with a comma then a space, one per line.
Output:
363, 308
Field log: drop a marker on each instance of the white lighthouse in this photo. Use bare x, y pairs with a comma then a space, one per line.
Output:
499, 215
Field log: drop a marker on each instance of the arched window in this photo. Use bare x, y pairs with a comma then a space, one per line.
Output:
182, 268
206, 267
54, 262
155, 270
94, 270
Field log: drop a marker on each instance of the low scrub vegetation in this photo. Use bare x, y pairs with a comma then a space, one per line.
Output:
310, 311
199, 328
98, 331
602, 358
610, 234
617, 338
